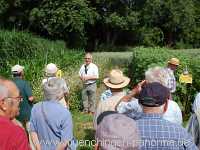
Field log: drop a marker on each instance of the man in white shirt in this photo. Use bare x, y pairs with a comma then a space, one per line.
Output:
89, 73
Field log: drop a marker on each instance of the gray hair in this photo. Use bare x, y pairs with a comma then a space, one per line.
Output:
3, 92
156, 74
53, 89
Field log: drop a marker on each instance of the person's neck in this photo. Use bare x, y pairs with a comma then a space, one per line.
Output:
116, 91
152, 110
2, 114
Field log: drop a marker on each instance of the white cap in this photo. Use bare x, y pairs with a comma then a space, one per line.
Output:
51, 68
17, 69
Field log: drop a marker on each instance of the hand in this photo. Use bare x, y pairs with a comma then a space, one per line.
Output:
137, 89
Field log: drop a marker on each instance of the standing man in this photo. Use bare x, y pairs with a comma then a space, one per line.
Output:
12, 136
89, 74
173, 64
155, 131
51, 123
26, 93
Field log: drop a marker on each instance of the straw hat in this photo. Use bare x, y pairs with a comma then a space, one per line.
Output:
174, 61
116, 79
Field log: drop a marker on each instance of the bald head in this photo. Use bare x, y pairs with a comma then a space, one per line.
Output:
9, 99
10, 87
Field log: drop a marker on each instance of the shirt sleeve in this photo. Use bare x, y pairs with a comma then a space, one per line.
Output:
28, 89
20, 140
65, 87
96, 71
33, 125
81, 71
66, 127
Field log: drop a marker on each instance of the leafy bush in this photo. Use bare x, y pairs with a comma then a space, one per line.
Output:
34, 53
143, 58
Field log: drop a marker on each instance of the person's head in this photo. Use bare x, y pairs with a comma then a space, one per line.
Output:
9, 99
153, 97
53, 89
173, 63
116, 81
17, 71
117, 132
51, 70
88, 58
156, 74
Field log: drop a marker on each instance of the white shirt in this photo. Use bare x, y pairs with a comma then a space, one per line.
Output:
171, 80
173, 113
90, 70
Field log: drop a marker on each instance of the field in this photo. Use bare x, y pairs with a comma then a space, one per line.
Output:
34, 53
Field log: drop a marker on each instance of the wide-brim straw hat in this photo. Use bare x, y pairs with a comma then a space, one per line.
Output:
174, 61
116, 79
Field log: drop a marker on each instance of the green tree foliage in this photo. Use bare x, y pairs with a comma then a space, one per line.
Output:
173, 17
116, 18
63, 19
96, 23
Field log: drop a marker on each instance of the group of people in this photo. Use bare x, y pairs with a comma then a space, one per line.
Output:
145, 117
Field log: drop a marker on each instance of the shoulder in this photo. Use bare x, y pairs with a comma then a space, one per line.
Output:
36, 106
93, 65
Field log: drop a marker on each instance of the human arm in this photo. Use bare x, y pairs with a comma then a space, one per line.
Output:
134, 92
28, 92
33, 130
35, 140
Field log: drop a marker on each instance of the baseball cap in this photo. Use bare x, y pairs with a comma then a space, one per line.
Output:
153, 95
17, 68
117, 132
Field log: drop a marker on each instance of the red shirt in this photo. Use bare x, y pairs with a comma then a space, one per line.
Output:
12, 137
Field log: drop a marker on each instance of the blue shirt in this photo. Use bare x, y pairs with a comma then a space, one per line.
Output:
159, 134
60, 120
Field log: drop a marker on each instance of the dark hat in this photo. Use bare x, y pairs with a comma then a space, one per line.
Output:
153, 95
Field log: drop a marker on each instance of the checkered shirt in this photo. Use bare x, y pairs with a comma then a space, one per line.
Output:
159, 134
171, 80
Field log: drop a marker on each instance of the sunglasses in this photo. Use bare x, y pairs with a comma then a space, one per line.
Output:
18, 98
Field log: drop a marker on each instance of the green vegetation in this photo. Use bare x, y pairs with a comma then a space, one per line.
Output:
93, 24
143, 58
34, 53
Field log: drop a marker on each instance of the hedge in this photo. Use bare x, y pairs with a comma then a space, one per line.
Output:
34, 53
143, 58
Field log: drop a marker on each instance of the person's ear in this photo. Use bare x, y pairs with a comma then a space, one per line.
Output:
2, 105
165, 106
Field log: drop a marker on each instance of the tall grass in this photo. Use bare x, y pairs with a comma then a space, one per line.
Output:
34, 53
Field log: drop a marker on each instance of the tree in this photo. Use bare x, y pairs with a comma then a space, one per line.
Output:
173, 17
63, 19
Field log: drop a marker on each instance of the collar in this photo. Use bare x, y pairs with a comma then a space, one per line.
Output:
151, 116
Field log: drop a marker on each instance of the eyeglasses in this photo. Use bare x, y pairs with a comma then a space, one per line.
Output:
87, 58
18, 98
